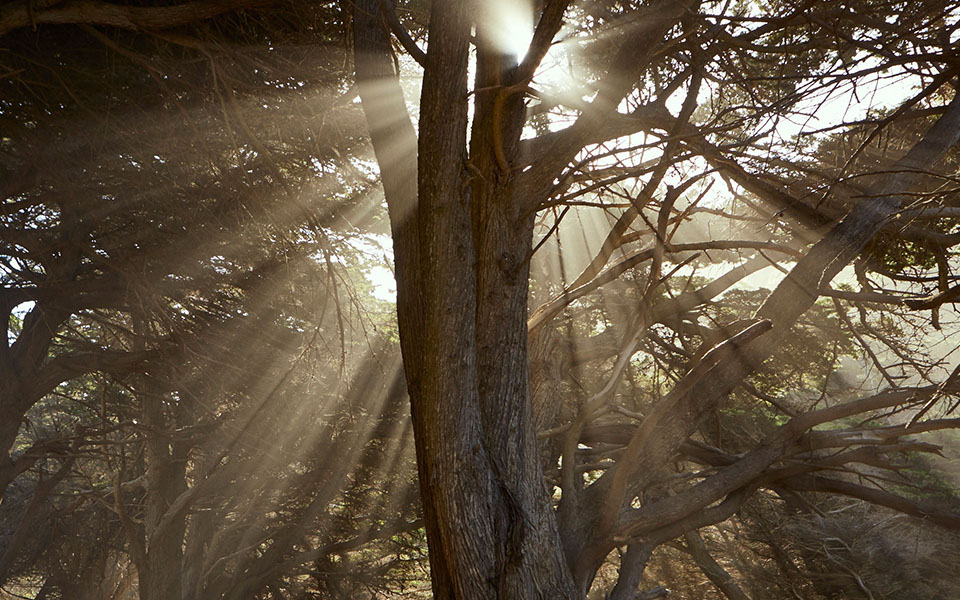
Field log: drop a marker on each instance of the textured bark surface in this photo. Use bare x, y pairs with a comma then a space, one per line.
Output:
462, 289
395, 145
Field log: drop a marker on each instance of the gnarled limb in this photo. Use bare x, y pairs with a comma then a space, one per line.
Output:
711, 568
28, 13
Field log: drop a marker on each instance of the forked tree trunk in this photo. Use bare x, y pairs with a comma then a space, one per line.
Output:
462, 292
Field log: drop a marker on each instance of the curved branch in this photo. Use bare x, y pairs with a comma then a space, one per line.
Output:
877, 496
625, 467
950, 295
389, 11
752, 465
711, 568
92, 12
546, 311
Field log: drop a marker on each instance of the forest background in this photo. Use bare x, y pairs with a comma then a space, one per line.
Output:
672, 283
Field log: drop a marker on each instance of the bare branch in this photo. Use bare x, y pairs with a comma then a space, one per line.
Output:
389, 12
139, 18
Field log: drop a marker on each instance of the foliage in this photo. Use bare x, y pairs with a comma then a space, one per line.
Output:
201, 394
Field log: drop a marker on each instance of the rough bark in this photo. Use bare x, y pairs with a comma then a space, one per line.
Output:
503, 233
462, 292
395, 146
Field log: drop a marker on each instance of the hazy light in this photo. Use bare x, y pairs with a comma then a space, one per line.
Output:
510, 26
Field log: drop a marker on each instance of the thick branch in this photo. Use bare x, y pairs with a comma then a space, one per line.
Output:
93, 12
390, 13
627, 465
748, 468
711, 568
877, 496
950, 295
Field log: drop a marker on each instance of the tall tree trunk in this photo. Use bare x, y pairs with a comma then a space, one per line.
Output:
395, 146
534, 564
165, 480
462, 307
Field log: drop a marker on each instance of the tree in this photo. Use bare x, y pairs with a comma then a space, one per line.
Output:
589, 411
464, 233
187, 315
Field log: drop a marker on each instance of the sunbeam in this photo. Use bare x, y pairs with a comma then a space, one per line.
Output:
509, 25
526, 300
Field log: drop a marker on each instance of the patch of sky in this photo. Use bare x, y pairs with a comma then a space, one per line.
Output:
378, 250
219, 264
16, 320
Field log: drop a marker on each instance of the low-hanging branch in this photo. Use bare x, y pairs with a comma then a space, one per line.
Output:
29, 13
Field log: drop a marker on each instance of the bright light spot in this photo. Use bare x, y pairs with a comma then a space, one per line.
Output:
17, 315
384, 285
511, 26
378, 248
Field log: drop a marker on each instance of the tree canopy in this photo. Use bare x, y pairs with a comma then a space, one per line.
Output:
674, 286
